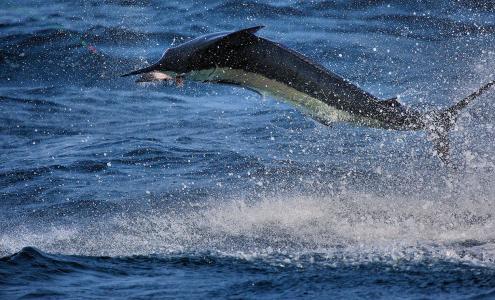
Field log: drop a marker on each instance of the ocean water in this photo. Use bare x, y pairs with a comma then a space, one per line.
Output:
113, 189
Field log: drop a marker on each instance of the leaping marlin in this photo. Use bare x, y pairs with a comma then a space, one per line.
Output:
241, 58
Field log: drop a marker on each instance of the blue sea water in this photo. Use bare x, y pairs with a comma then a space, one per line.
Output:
110, 189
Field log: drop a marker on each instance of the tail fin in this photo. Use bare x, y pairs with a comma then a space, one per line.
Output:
447, 118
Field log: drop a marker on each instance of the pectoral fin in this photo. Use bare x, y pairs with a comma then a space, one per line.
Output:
233, 83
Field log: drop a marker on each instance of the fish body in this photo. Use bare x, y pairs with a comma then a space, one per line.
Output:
245, 59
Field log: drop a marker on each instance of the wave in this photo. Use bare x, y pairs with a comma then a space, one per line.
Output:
27, 272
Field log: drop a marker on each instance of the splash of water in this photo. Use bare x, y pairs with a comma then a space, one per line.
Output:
350, 226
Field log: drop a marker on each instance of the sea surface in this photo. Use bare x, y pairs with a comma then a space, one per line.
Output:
111, 189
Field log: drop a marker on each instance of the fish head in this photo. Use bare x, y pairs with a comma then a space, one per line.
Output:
199, 54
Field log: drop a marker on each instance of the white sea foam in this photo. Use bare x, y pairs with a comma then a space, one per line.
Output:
352, 227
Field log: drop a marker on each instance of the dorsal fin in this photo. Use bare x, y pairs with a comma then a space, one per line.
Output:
240, 37
251, 30
392, 102
234, 38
